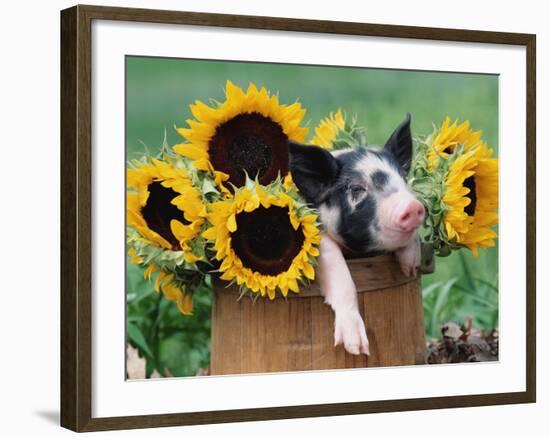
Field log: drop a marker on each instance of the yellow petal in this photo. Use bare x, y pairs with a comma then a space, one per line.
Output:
185, 304
232, 223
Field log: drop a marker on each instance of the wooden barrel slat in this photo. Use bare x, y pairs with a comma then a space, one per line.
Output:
253, 337
298, 334
322, 340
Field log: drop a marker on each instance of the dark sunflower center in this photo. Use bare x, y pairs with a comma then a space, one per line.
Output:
265, 240
158, 212
449, 150
471, 184
251, 153
250, 143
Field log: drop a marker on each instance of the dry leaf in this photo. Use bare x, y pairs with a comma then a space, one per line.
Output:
155, 374
203, 372
135, 365
451, 330
463, 344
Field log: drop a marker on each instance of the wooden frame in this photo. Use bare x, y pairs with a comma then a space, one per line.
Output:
76, 249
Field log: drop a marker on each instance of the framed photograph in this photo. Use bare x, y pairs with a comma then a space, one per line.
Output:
268, 218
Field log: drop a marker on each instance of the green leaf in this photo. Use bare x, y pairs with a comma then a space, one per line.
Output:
441, 301
466, 269
427, 291
208, 280
136, 336
480, 299
140, 297
489, 285
208, 187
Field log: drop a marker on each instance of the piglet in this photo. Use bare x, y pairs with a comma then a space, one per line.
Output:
366, 208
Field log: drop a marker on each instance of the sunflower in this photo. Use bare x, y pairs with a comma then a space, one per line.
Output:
328, 129
471, 199
246, 134
163, 207
265, 239
444, 141
336, 132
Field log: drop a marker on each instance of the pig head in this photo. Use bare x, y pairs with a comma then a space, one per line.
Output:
366, 208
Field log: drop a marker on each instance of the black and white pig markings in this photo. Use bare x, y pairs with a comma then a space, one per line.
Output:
366, 207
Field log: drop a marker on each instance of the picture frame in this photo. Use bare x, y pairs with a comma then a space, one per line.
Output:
78, 364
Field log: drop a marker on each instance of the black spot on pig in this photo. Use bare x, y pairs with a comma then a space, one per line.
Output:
380, 179
356, 225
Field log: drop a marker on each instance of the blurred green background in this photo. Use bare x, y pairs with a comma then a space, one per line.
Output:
158, 94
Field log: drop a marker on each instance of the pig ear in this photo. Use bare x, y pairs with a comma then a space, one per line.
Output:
400, 144
313, 170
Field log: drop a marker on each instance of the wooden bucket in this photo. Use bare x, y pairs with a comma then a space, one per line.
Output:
298, 334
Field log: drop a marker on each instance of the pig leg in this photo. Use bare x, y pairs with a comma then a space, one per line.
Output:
409, 257
340, 293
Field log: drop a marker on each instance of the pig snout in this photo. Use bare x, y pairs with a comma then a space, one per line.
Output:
409, 216
400, 215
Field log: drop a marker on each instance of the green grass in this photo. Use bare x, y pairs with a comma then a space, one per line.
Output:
159, 92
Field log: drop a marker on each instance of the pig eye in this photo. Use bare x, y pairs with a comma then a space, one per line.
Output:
356, 190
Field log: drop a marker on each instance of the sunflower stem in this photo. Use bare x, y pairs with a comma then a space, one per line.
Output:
154, 335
